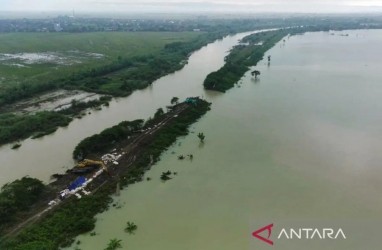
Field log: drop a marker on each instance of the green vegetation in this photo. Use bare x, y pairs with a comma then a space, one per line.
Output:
16, 146
169, 133
17, 197
76, 107
114, 244
144, 58
76, 47
158, 113
241, 58
174, 100
105, 140
201, 137
77, 216
131, 227
132, 61
254, 46
165, 176
59, 227
15, 127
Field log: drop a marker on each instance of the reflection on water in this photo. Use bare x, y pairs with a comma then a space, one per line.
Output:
301, 143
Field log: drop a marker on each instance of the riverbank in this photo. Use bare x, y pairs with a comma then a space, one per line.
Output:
119, 78
140, 151
241, 57
298, 146
252, 49
16, 127
47, 160
124, 75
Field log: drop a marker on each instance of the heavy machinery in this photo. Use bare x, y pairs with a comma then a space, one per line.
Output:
88, 165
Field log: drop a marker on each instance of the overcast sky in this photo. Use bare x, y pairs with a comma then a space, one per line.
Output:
194, 5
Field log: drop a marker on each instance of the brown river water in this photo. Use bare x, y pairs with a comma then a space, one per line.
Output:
299, 146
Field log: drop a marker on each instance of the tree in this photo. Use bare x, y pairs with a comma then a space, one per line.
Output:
131, 227
114, 244
19, 196
165, 176
158, 113
174, 100
255, 73
201, 137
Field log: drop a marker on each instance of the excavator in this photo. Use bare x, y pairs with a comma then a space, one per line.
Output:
88, 165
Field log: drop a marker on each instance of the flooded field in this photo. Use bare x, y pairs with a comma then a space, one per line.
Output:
54, 58
52, 101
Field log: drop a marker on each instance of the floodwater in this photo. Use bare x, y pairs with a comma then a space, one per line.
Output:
26, 59
40, 158
299, 146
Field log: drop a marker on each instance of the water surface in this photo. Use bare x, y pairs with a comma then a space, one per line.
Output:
301, 143
40, 158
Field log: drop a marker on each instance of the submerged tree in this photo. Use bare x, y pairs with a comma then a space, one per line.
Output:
114, 244
131, 227
165, 176
201, 137
255, 73
174, 100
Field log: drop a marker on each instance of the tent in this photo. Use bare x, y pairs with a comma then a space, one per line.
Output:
77, 183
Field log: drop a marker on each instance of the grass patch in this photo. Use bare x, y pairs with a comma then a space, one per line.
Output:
15, 127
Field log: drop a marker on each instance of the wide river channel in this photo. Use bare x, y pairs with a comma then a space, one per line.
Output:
299, 146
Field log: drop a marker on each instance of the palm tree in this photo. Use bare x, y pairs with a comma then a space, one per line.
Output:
114, 244
131, 227
201, 137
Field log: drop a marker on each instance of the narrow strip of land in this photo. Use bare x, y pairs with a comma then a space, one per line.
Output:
138, 153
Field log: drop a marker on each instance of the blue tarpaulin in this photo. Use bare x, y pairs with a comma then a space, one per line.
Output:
77, 183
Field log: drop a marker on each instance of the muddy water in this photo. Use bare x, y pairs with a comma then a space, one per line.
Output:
43, 157
300, 144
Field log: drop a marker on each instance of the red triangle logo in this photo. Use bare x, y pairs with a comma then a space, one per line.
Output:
266, 228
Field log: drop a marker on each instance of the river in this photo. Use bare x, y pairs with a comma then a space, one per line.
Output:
40, 158
299, 145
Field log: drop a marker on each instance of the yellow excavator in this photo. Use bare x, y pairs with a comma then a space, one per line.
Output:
88, 165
